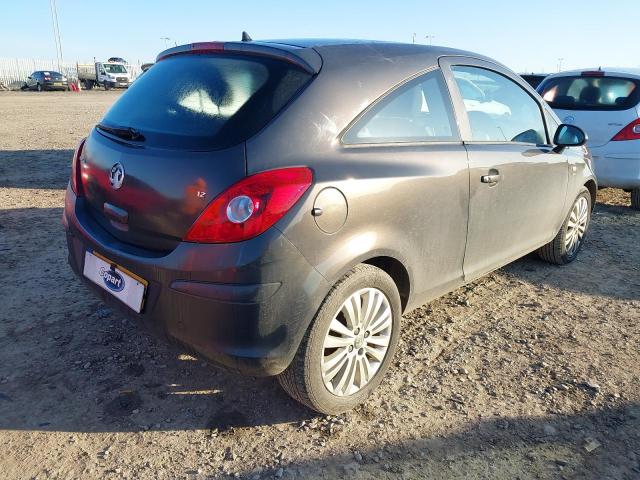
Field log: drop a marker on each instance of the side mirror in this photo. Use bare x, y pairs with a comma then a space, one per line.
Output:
569, 136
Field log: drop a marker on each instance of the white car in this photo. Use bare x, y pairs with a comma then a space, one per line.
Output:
605, 103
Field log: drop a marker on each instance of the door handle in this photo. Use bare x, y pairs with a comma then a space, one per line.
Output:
495, 178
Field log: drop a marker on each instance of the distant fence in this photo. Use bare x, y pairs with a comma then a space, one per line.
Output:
14, 71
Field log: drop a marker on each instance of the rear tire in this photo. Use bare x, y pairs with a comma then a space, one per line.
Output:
361, 357
635, 198
566, 245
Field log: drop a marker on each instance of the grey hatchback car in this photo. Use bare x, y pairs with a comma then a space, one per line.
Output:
276, 206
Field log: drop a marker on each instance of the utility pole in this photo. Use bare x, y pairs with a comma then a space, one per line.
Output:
56, 33
414, 38
560, 60
430, 37
166, 41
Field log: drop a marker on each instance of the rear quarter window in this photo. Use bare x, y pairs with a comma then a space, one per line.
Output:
591, 93
418, 111
206, 102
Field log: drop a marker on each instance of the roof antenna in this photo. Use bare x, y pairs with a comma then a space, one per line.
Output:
246, 37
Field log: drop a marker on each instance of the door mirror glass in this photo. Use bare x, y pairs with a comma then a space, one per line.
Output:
569, 136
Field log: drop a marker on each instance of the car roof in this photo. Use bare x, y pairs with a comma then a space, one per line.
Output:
314, 52
608, 72
364, 45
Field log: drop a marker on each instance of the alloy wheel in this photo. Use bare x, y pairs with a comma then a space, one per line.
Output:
577, 225
356, 342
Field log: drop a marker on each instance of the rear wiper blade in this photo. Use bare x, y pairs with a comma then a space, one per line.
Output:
128, 133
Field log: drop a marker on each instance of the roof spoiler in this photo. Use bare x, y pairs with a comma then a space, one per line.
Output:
306, 58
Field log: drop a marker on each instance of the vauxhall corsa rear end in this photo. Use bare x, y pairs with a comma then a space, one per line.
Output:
276, 206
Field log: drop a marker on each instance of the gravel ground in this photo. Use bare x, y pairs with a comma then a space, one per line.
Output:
531, 372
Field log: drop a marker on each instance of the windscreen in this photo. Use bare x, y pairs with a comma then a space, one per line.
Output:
591, 93
206, 101
111, 68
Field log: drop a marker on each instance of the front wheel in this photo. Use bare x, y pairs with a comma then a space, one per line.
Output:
566, 245
39, 88
350, 344
635, 198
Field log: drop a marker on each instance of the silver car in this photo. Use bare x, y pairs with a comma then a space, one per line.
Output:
276, 206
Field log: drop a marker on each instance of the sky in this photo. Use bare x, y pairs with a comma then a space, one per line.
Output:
527, 36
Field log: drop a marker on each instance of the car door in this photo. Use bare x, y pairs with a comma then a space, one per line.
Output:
408, 145
517, 182
32, 80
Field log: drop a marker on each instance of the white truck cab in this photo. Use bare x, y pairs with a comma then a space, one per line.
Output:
106, 74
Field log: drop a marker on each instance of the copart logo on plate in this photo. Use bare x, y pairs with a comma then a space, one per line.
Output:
112, 279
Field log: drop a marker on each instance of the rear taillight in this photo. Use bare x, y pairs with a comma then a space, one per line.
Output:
76, 173
630, 132
251, 206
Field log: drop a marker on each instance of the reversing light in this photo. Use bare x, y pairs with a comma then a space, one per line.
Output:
240, 209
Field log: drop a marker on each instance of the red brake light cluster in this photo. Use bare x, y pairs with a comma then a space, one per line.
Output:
198, 47
251, 206
76, 174
594, 73
630, 132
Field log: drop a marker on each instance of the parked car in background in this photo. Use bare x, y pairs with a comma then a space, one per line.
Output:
275, 207
104, 74
117, 60
143, 68
534, 79
46, 80
605, 103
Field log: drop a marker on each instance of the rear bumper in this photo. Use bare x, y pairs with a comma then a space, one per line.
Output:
618, 169
245, 306
51, 86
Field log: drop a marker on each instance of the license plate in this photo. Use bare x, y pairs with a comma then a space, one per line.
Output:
57, 84
122, 284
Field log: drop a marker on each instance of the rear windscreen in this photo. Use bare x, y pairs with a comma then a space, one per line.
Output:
591, 93
206, 101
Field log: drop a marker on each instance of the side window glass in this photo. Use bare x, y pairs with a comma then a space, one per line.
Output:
419, 111
499, 110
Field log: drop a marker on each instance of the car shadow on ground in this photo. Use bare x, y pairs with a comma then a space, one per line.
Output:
597, 444
46, 169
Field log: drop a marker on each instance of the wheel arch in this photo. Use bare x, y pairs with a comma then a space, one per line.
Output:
593, 190
398, 273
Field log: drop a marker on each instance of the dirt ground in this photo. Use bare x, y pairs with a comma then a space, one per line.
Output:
530, 372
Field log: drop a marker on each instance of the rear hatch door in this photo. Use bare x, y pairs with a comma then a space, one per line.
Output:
175, 140
601, 105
